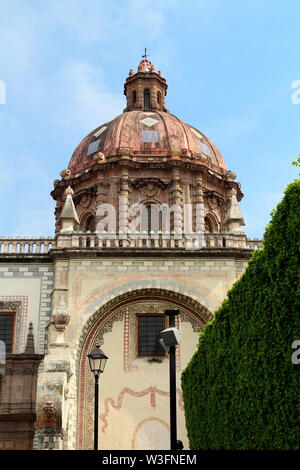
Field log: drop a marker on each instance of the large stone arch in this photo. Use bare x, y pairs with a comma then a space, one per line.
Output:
202, 295
102, 321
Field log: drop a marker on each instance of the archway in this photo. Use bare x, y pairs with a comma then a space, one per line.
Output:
133, 389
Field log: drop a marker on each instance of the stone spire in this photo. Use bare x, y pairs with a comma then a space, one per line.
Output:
68, 216
29, 349
234, 217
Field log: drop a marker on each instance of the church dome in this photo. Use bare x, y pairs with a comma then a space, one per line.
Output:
140, 133
147, 155
146, 129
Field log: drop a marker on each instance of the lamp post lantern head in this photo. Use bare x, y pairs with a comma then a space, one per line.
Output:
169, 337
97, 360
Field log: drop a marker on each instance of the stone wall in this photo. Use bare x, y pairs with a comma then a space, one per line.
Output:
87, 298
28, 287
18, 379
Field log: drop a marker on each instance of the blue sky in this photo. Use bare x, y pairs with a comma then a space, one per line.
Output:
229, 64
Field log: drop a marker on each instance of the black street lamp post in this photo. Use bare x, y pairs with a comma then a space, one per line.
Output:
172, 368
97, 360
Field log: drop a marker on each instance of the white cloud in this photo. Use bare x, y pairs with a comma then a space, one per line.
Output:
84, 99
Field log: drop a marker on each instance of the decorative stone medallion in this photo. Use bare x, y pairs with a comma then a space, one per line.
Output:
149, 122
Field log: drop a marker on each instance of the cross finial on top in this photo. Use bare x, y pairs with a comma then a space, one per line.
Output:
145, 55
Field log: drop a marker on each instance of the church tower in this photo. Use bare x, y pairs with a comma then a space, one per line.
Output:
147, 219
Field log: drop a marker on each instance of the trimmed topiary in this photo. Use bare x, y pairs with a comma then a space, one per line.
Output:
241, 389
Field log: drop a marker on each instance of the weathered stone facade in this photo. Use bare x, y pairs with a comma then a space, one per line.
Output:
18, 384
89, 284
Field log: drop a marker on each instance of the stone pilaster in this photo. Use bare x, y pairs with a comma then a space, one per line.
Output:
188, 209
199, 212
101, 198
124, 204
60, 313
176, 202
55, 371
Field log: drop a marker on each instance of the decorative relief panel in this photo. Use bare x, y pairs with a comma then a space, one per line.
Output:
149, 187
107, 326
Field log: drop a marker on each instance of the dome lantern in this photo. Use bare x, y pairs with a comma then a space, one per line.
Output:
146, 89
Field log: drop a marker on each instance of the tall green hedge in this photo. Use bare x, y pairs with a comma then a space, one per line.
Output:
240, 389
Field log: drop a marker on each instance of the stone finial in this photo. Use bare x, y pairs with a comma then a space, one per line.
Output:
69, 190
68, 215
234, 217
29, 349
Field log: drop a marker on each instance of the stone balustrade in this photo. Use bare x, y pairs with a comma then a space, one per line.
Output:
254, 244
26, 245
106, 240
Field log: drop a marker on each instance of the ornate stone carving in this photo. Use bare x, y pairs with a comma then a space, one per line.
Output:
60, 321
48, 417
184, 316
9, 306
106, 327
60, 315
66, 174
85, 200
212, 202
149, 187
99, 157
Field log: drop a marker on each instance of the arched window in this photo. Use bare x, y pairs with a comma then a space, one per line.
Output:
208, 225
88, 224
159, 97
133, 98
147, 99
151, 218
